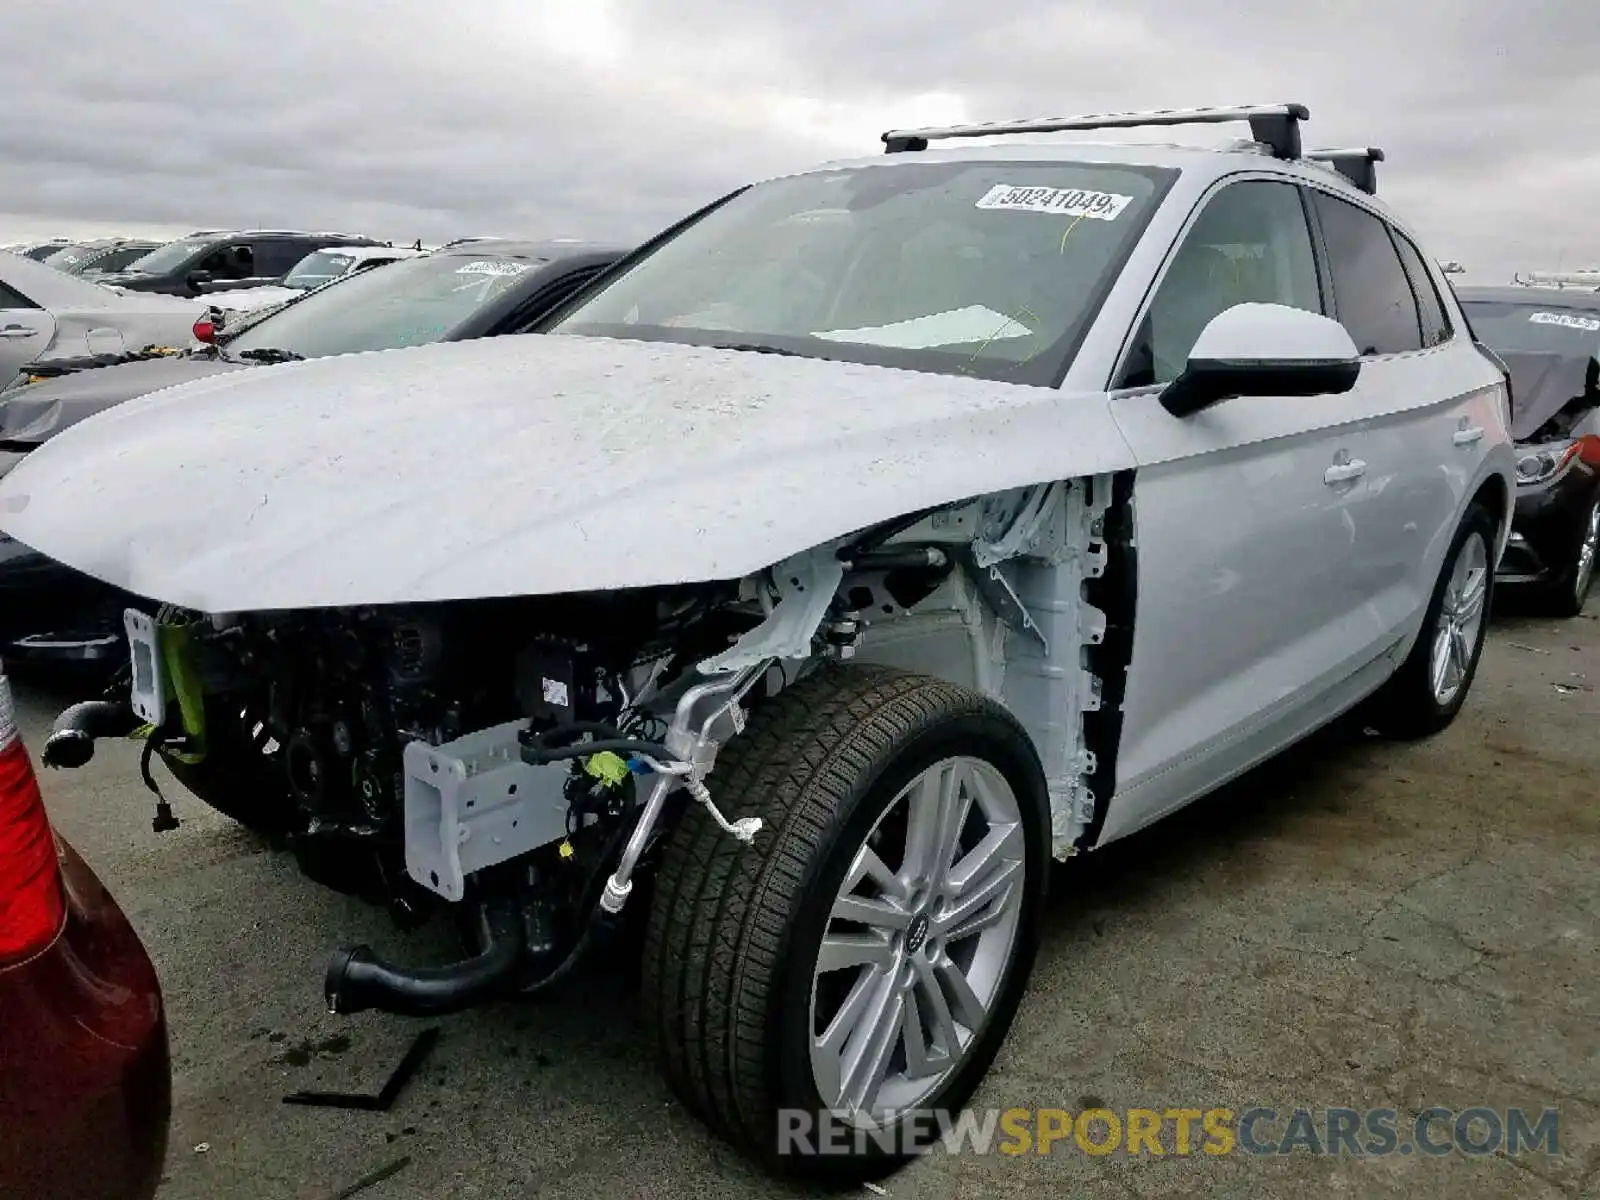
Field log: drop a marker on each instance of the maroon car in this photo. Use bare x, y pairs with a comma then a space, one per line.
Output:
85, 1080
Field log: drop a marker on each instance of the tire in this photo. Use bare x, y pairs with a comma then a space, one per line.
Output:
235, 777
1409, 706
1568, 597
736, 932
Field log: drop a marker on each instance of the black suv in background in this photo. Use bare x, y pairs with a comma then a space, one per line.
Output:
223, 261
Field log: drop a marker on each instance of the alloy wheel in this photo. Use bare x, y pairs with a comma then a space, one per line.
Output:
1460, 620
918, 941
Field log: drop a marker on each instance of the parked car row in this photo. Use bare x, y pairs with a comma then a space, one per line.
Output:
827, 565
54, 614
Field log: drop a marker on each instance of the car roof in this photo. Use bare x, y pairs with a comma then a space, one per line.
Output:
368, 251
550, 249
1540, 297
354, 239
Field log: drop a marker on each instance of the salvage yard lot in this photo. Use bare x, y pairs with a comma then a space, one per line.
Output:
1361, 924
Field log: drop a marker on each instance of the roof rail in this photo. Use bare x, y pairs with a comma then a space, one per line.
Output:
1358, 165
1274, 125
1579, 279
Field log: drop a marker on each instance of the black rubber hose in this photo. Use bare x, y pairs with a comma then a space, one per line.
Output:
357, 980
597, 918
72, 737
537, 749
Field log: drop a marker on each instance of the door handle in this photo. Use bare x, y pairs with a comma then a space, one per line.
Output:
1343, 472
16, 331
1465, 436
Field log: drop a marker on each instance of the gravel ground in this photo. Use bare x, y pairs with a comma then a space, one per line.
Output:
1360, 924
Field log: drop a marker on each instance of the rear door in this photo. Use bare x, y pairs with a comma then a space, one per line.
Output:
1245, 522
1420, 396
26, 331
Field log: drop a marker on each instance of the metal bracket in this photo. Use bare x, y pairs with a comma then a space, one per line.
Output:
996, 589
806, 587
1025, 530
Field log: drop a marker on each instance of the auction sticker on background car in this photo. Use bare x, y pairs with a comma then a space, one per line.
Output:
1566, 319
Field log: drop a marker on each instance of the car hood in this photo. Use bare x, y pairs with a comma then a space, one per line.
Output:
521, 466
38, 411
1542, 384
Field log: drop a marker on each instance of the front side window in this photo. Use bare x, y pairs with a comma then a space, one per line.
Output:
1251, 244
984, 268
1370, 290
410, 303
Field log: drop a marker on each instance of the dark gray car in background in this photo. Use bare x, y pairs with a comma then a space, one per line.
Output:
1549, 339
217, 261
50, 613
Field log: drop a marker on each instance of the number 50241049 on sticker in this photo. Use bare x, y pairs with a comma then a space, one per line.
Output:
1063, 202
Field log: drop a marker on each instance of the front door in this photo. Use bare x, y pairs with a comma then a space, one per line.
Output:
1246, 517
25, 332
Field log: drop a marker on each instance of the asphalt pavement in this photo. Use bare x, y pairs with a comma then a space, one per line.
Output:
1360, 924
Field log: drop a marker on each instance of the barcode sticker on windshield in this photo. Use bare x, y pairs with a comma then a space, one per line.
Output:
1063, 202
1592, 324
492, 268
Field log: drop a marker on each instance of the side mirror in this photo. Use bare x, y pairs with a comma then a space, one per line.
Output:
1264, 350
197, 280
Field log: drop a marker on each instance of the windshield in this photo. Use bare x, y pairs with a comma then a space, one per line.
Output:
69, 258
1539, 328
318, 268
406, 303
102, 262
168, 257
983, 268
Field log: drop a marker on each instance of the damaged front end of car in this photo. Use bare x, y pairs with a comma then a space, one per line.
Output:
519, 761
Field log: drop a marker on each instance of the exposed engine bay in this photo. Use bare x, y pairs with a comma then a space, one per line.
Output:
524, 756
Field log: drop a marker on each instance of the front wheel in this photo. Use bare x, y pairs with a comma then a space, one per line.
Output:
829, 997
1428, 690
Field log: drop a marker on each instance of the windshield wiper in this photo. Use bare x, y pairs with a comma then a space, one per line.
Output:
753, 348
271, 354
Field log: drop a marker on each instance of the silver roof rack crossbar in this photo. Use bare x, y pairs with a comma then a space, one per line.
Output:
1274, 125
1359, 165
1582, 278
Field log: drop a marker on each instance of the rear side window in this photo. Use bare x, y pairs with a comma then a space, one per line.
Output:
275, 257
1436, 328
1370, 290
10, 298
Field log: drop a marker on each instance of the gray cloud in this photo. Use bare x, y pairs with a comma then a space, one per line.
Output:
614, 117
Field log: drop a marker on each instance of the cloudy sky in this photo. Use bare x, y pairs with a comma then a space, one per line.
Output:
611, 118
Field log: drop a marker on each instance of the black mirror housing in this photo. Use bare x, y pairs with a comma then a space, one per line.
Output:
1205, 382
